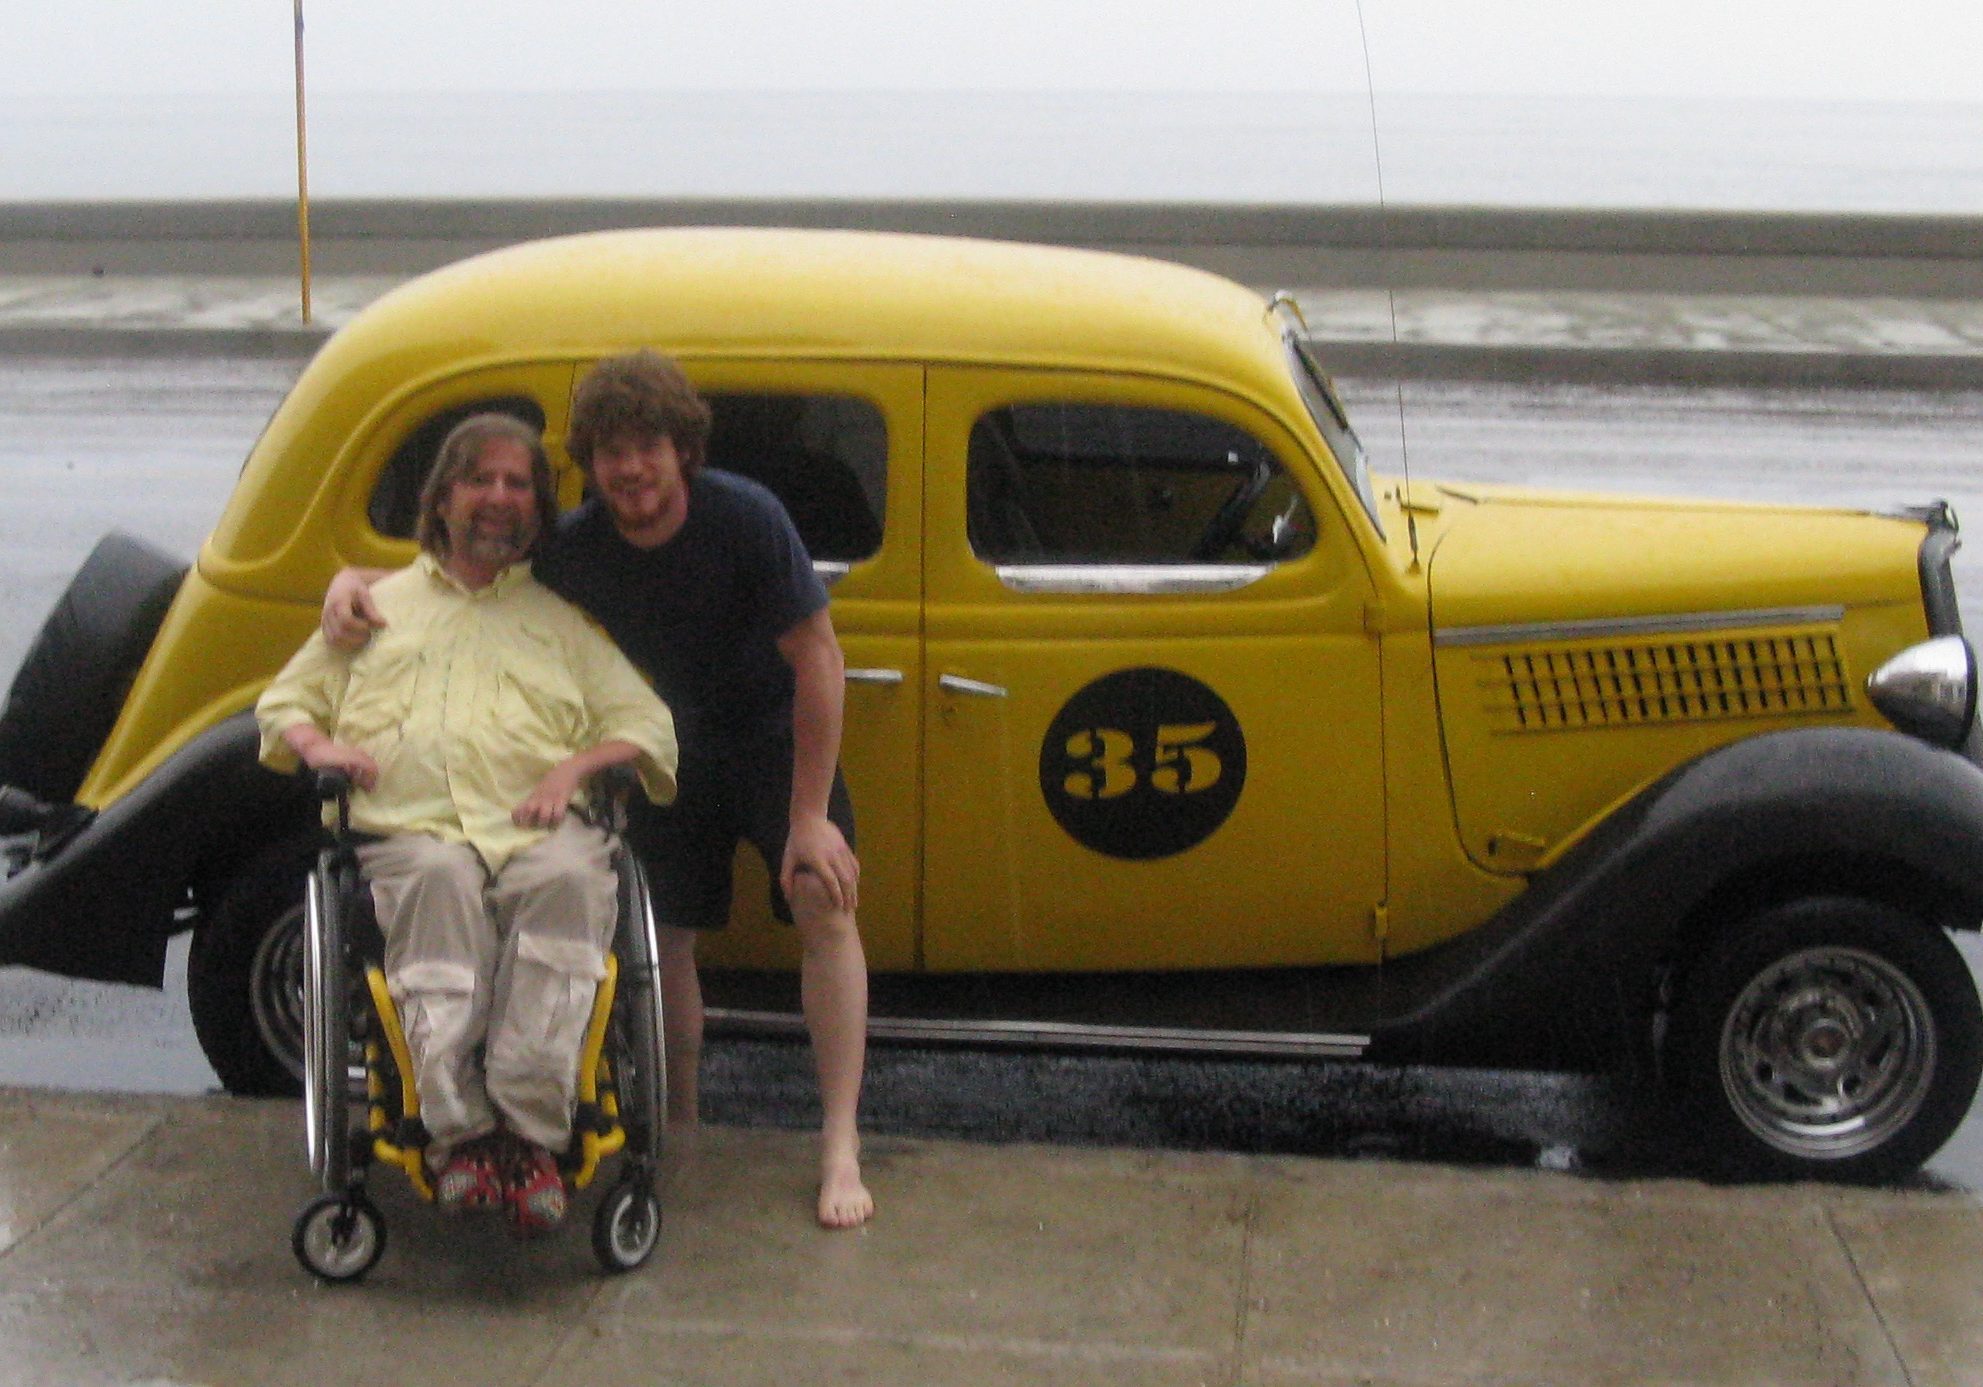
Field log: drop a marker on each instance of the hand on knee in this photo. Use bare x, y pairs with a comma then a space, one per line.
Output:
812, 904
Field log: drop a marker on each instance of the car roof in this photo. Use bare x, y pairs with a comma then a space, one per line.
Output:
849, 294
743, 293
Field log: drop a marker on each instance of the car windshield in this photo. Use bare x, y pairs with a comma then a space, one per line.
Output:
1325, 407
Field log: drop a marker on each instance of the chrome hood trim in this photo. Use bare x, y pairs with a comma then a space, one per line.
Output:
1527, 632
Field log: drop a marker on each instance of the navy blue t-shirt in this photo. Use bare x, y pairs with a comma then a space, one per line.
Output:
701, 614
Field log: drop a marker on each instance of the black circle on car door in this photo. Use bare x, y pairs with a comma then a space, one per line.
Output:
1143, 763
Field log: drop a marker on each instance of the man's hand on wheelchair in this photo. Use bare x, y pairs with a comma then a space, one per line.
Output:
547, 804
328, 755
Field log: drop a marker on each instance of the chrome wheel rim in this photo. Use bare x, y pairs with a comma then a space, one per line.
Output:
1828, 1053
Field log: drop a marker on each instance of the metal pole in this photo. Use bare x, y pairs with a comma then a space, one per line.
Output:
302, 171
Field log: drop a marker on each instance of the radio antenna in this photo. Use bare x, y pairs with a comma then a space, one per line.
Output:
1390, 290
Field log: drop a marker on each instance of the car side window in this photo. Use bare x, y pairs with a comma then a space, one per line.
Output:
394, 509
824, 456
1068, 482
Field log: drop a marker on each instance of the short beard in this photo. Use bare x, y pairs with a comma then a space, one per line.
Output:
498, 549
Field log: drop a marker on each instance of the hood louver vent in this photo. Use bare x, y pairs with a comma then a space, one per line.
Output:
1633, 683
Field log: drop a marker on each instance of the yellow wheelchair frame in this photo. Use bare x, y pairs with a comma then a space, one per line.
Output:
341, 1234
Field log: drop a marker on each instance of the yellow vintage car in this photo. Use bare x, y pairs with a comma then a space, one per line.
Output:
1169, 724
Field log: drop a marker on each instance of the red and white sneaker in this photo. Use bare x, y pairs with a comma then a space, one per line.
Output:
471, 1179
533, 1188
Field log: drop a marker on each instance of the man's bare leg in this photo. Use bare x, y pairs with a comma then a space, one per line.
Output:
833, 990
681, 1023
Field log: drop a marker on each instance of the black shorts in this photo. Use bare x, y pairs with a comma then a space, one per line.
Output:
724, 796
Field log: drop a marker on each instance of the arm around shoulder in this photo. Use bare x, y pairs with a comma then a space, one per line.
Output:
350, 615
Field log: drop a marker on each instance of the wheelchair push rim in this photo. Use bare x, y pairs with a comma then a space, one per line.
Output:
326, 1033
639, 1004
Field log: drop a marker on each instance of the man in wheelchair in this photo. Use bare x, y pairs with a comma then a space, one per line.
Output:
468, 726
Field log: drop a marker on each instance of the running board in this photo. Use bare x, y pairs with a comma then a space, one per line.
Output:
1063, 1035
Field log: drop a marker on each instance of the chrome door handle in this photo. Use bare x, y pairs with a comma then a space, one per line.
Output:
874, 676
956, 683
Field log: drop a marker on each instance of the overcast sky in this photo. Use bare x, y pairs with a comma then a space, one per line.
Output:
1817, 49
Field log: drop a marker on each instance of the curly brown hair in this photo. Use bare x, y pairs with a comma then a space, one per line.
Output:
641, 397
459, 452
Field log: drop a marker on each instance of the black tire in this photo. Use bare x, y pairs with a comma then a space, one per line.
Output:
339, 1237
72, 683
626, 1226
244, 977
1831, 1038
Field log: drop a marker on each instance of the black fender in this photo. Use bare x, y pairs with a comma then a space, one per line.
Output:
1569, 971
73, 680
104, 906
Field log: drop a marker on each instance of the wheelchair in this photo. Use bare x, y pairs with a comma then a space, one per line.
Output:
356, 1061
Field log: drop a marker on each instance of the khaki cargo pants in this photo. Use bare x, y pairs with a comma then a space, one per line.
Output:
494, 977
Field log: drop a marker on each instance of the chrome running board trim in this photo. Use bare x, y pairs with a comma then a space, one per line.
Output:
1065, 1035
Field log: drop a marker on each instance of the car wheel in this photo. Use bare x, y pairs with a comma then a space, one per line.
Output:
1831, 1038
71, 684
244, 977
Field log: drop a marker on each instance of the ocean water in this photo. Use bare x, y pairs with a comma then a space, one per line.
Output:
1294, 147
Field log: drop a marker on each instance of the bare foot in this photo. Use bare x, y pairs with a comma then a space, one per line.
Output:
844, 1202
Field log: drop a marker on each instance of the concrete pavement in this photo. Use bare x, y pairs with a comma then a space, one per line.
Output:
146, 1240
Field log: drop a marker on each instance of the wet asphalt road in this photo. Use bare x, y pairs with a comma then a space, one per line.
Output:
153, 445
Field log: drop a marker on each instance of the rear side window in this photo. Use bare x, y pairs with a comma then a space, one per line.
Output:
824, 456
1079, 483
394, 509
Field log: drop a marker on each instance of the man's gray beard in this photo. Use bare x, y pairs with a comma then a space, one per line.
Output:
496, 550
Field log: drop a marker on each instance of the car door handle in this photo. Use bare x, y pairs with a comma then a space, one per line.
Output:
956, 683
874, 676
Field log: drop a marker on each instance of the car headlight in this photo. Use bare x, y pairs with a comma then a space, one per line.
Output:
1929, 690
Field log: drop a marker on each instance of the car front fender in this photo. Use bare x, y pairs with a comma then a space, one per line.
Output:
104, 906
1570, 969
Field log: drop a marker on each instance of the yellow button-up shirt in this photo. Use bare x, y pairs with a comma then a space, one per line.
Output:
465, 700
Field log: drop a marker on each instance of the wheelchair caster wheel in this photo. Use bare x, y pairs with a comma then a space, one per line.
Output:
626, 1226
339, 1237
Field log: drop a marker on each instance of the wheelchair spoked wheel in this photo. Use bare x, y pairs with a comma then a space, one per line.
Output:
339, 1237
326, 1029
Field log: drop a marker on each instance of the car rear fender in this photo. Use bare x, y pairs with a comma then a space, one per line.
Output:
104, 906
1569, 970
